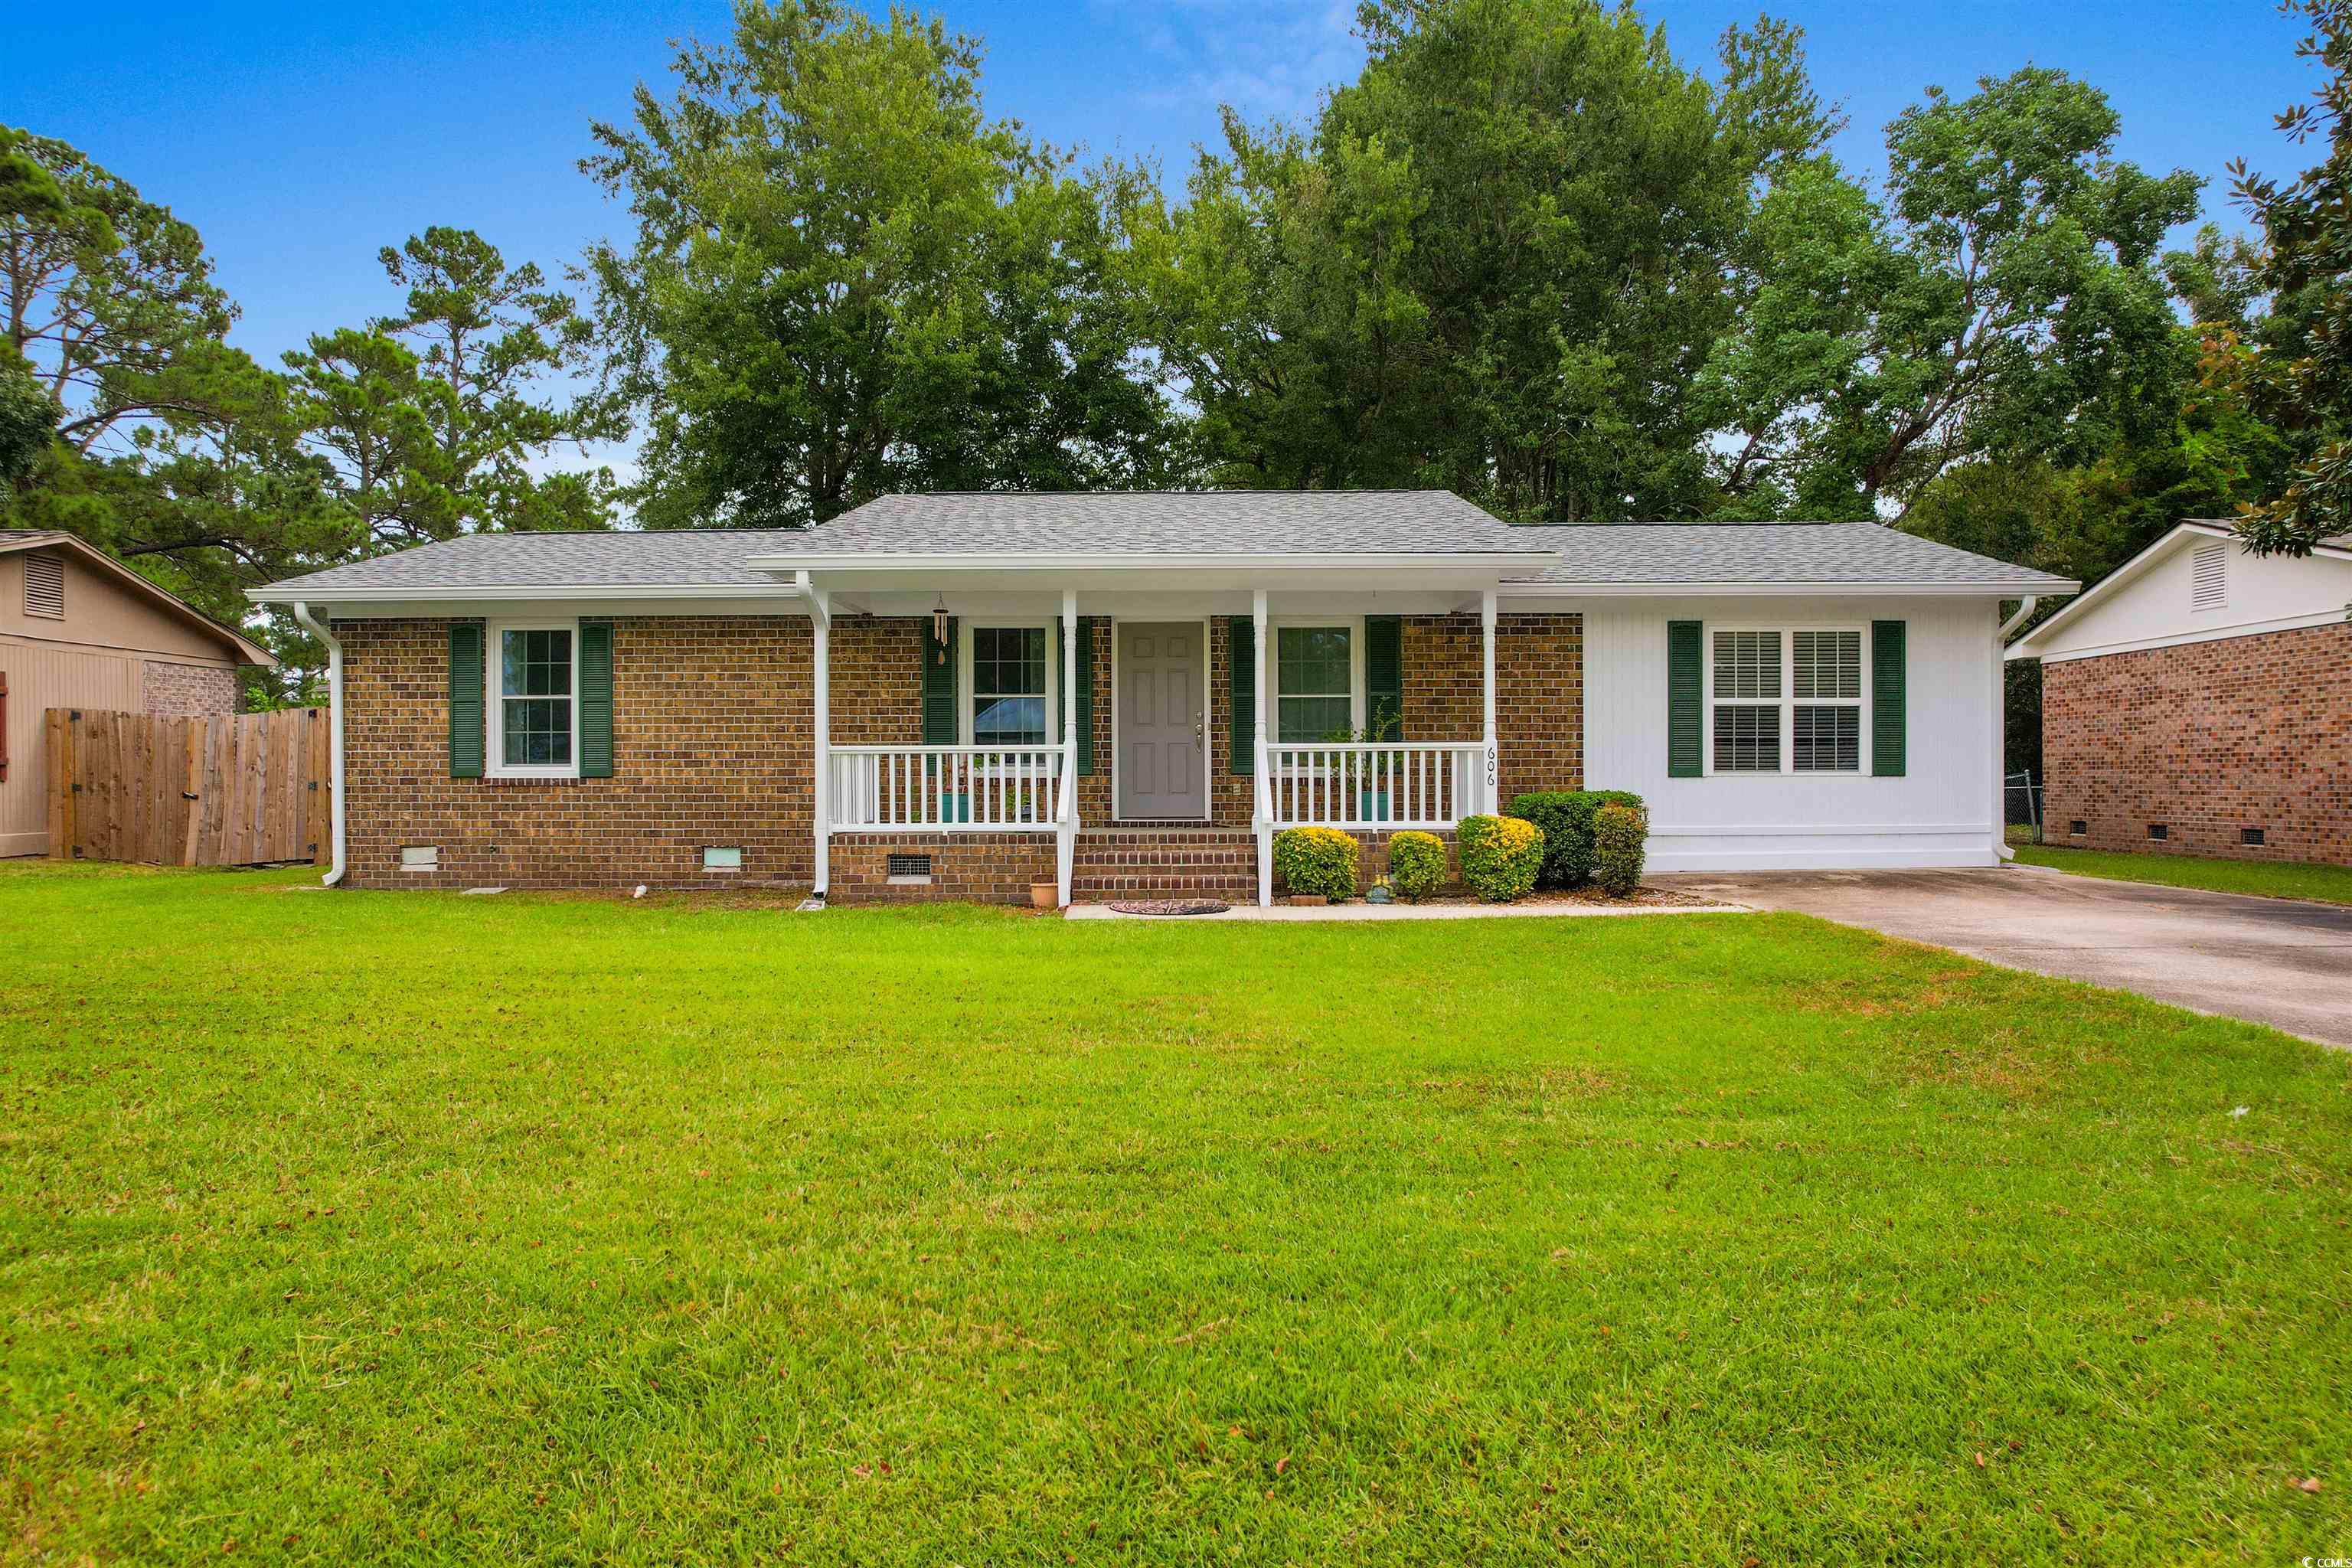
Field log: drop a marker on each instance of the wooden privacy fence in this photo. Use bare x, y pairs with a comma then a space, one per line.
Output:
219, 789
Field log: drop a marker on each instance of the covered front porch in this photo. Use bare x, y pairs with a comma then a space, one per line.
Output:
1138, 727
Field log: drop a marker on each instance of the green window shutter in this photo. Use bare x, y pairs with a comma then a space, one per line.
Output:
1889, 699
939, 687
1087, 625
1685, 700
1241, 636
1384, 677
596, 699
465, 700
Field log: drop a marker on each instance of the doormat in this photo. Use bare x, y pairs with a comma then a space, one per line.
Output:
1171, 907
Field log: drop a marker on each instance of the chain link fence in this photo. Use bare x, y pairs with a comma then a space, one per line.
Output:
2021, 808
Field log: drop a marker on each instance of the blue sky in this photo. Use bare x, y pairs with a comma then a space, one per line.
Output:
301, 138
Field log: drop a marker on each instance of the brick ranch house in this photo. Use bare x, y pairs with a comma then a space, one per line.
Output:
2199, 700
964, 696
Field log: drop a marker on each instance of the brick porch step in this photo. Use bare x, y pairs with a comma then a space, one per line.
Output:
1163, 863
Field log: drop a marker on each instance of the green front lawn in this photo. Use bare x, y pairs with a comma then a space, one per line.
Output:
343, 1227
2272, 878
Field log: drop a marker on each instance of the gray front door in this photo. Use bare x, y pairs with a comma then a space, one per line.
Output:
1161, 724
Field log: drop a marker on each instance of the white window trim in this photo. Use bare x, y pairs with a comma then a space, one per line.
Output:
966, 637
1274, 630
1789, 700
494, 714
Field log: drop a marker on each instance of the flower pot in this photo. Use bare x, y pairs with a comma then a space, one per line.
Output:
1045, 895
1373, 805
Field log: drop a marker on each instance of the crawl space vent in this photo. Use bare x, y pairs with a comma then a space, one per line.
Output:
910, 867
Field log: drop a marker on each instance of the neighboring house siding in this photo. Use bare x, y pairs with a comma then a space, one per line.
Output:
184, 690
42, 676
1944, 810
2208, 739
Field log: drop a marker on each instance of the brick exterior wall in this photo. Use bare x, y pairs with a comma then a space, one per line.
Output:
185, 690
976, 867
712, 726
2208, 739
712, 745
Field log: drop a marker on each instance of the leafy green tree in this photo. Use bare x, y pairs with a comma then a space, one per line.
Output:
1494, 262
2293, 363
433, 421
114, 321
846, 281
2005, 297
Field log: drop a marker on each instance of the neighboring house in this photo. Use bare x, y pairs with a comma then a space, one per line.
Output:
80, 629
965, 695
2198, 700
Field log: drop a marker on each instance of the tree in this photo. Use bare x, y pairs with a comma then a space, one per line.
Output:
1495, 263
846, 281
151, 436
2294, 363
432, 422
2004, 297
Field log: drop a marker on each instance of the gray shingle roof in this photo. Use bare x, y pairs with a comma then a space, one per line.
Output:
1343, 522
1147, 523
686, 558
1665, 553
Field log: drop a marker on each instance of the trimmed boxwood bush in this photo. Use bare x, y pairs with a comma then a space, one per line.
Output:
1416, 864
1500, 856
1316, 860
1620, 836
1566, 817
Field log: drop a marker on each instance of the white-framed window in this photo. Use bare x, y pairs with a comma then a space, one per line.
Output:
1785, 700
1318, 680
1009, 682
534, 699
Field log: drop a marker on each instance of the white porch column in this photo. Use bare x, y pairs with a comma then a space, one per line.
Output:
1486, 626
1262, 792
821, 796
1065, 830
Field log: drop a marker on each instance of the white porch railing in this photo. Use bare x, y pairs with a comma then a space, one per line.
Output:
949, 789
1382, 785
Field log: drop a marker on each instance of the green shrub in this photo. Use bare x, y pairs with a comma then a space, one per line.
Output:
1619, 834
1565, 815
1316, 860
1500, 856
1416, 864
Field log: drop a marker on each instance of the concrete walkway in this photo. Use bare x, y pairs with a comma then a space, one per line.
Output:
2280, 962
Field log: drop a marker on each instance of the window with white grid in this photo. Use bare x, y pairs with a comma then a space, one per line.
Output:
1784, 701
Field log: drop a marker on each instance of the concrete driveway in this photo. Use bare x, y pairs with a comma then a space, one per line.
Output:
2273, 961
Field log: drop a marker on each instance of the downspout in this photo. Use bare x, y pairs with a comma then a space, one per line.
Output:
2024, 608
2000, 715
303, 618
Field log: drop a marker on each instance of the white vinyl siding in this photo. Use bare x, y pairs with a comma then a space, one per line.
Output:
1944, 810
